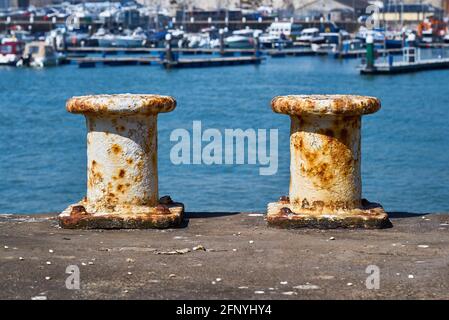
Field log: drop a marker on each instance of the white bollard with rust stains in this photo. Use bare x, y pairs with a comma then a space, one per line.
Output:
122, 178
325, 181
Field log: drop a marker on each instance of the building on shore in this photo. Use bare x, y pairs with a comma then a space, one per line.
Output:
410, 12
25, 3
204, 15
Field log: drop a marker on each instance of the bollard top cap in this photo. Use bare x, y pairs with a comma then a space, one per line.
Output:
325, 105
121, 104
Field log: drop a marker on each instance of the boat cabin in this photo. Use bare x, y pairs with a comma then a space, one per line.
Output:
11, 47
39, 54
10, 51
287, 29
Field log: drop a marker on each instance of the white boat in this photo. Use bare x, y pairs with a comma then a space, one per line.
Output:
427, 36
178, 37
310, 35
133, 39
446, 38
331, 41
247, 32
38, 54
10, 51
129, 39
284, 30
239, 42
242, 39
268, 41
198, 40
382, 38
102, 37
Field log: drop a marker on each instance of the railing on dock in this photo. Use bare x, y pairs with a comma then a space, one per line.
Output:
412, 61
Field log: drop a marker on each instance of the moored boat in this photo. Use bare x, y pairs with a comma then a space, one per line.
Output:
38, 54
10, 51
382, 38
241, 39
310, 35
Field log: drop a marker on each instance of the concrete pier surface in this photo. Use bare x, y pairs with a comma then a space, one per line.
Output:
225, 256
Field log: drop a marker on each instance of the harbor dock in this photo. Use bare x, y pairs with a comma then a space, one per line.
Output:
158, 50
411, 62
352, 54
405, 67
292, 52
127, 60
245, 254
275, 53
211, 62
196, 51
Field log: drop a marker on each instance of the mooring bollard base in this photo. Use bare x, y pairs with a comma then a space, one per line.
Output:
133, 217
283, 214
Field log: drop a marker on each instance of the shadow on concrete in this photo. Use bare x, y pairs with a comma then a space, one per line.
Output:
203, 215
400, 214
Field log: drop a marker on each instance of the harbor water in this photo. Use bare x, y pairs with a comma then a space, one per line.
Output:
405, 164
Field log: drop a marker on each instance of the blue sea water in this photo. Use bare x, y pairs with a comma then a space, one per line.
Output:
43, 149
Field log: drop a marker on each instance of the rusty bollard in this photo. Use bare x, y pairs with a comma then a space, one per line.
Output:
122, 177
325, 178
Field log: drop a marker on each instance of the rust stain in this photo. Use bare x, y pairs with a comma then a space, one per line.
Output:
162, 209
332, 160
121, 188
285, 211
78, 210
106, 104
325, 104
116, 149
94, 175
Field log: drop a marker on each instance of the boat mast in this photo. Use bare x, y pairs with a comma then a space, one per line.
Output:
402, 14
184, 14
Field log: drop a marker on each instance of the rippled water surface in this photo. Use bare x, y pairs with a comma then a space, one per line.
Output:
43, 150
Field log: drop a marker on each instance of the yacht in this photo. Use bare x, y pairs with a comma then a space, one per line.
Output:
284, 30
382, 38
10, 51
198, 40
310, 35
103, 38
38, 54
131, 39
331, 41
242, 39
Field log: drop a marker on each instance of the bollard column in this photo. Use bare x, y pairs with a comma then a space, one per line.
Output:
122, 176
169, 57
325, 178
370, 54
221, 41
256, 44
